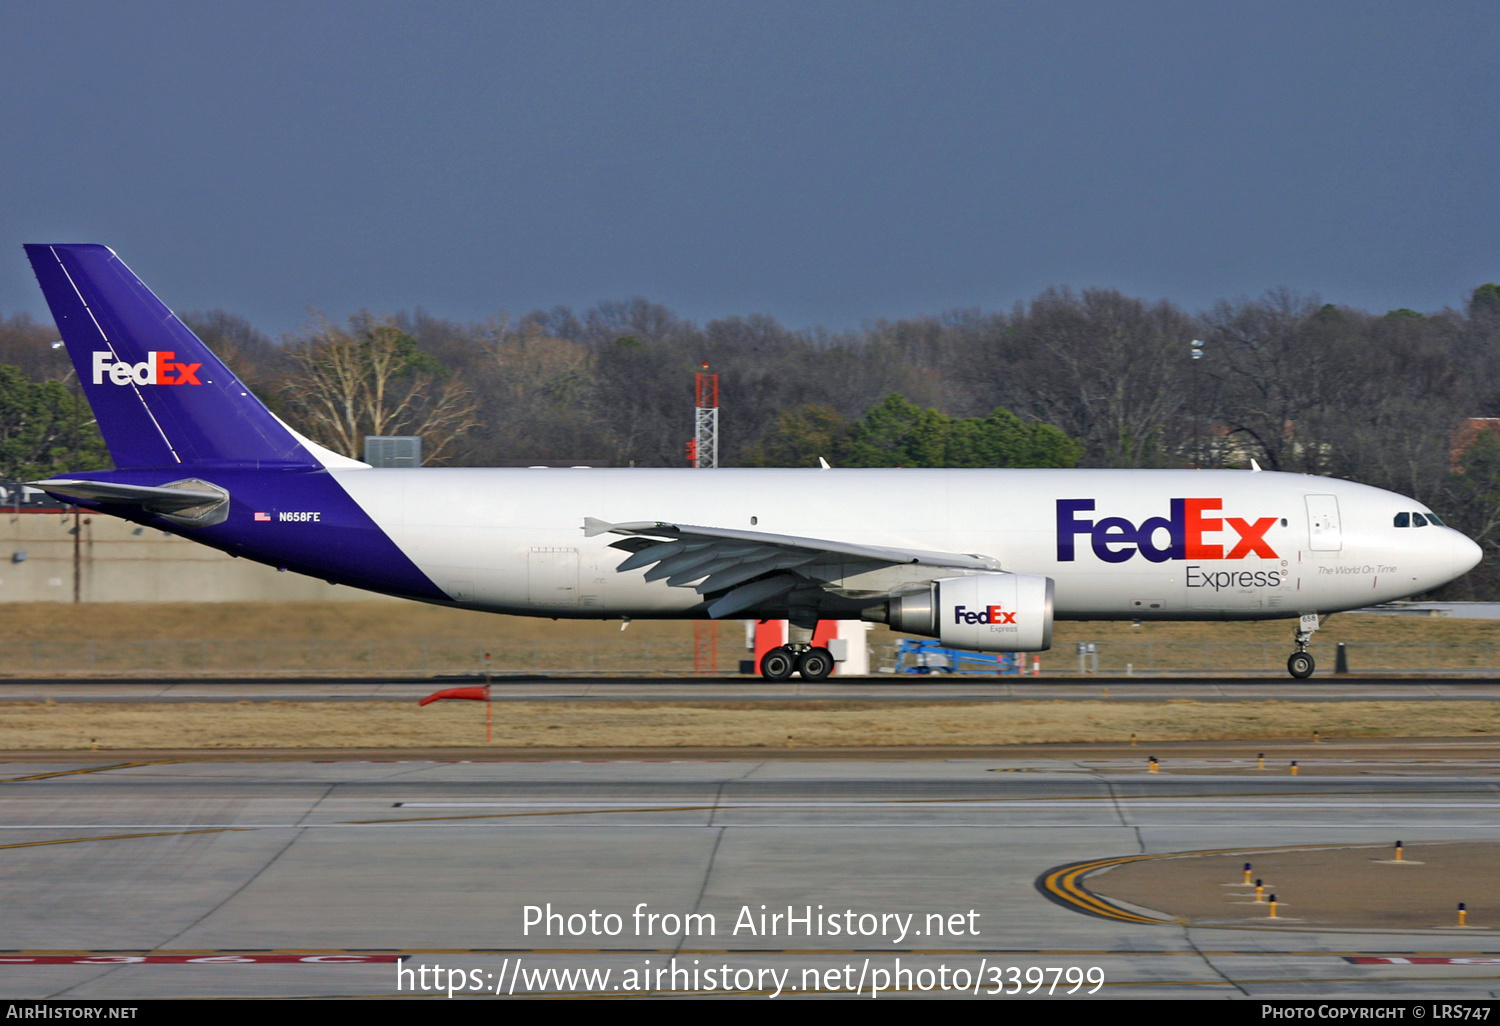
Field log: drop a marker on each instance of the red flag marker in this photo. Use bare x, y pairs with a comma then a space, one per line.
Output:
479, 693
476, 693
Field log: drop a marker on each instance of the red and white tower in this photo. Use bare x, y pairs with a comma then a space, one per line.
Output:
704, 450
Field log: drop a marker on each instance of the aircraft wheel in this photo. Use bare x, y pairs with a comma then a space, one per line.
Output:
815, 664
1300, 665
778, 664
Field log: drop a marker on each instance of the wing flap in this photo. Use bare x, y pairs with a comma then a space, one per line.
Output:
651, 554
748, 595
687, 563
749, 571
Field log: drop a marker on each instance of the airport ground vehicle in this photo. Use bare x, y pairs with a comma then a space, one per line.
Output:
980, 559
924, 656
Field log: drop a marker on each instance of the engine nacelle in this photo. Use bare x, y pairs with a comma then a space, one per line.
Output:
982, 613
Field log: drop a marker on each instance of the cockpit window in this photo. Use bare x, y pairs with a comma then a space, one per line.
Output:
1432, 518
1418, 520
1403, 519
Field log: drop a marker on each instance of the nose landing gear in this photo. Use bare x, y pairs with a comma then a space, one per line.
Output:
1300, 663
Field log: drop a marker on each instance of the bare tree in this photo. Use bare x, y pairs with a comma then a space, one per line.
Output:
1277, 378
373, 380
538, 396
1105, 368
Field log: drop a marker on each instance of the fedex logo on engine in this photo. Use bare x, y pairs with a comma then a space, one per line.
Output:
1115, 539
990, 614
159, 368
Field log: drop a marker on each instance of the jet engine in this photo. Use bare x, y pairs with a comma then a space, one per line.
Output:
983, 612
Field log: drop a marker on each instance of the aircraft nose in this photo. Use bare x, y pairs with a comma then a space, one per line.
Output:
1469, 553
1462, 553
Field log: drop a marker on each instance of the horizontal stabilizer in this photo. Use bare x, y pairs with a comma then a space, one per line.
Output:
191, 502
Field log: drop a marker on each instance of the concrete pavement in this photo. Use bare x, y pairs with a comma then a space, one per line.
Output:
439, 861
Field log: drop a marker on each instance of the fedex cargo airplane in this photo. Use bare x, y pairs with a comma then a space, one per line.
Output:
983, 559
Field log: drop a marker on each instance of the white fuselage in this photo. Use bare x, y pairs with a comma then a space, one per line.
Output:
512, 540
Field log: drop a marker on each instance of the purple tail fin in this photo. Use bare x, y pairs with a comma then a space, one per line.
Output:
161, 398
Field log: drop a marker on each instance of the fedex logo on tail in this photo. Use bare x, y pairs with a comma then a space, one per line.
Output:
159, 368
1185, 533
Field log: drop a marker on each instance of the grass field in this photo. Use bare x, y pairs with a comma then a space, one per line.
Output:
714, 724
395, 638
241, 632
293, 621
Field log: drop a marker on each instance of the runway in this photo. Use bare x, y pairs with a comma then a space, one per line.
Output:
753, 689
249, 877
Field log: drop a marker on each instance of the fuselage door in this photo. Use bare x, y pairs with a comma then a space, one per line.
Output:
1323, 530
552, 577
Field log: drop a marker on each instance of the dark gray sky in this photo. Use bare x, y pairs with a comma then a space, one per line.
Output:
825, 163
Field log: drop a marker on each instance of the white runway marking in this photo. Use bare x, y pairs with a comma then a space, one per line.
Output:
542, 824
978, 803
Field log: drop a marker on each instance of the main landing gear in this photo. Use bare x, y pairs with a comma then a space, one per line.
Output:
1300, 663
812, 663
798, 655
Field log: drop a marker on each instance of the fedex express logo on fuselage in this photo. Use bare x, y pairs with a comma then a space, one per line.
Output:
159, 368
1115, 539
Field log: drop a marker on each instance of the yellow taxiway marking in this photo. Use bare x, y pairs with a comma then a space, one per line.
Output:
88, 769
1064, 884
118, 837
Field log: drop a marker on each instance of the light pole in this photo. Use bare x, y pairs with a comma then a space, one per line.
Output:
1197, 350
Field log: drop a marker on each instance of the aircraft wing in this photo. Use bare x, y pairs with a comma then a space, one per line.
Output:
738, 562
